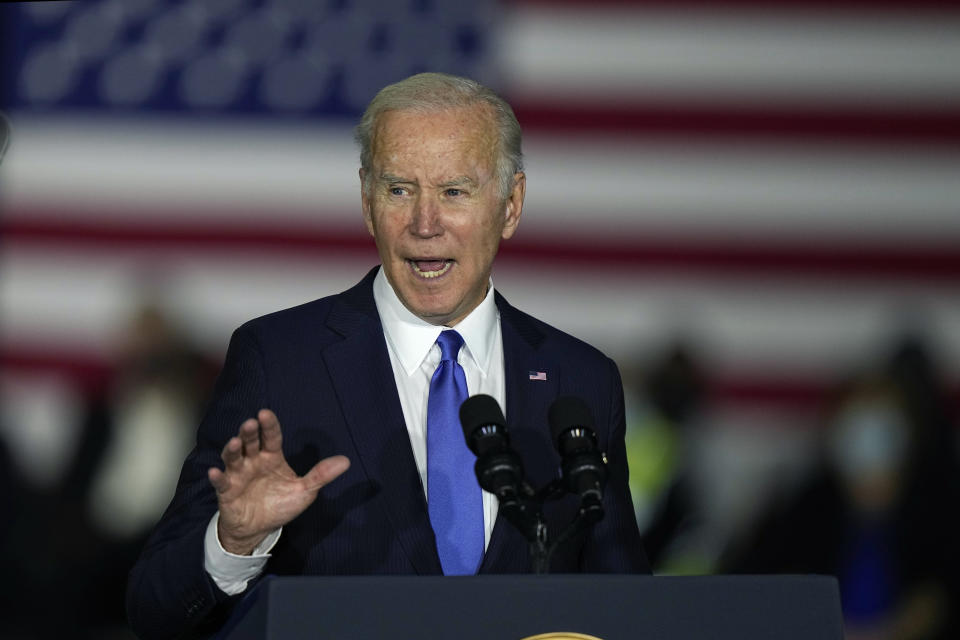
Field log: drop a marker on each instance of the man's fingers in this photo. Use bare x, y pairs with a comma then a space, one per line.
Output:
271, 438
218, 479
250, 435
232, 454
325, 472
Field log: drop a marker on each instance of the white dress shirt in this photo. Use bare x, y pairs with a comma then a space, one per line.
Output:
414, 356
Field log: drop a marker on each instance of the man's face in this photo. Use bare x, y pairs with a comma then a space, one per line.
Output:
434, 208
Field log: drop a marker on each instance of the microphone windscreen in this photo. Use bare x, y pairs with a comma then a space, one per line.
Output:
568, 412
479, 410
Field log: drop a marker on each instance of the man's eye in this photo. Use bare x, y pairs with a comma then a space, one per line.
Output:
454, 192
397, 191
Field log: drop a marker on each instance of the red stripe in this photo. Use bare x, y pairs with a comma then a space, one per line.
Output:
120, 235
934, 126
91, 372
769, 257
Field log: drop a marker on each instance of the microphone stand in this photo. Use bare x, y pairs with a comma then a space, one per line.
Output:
525, 512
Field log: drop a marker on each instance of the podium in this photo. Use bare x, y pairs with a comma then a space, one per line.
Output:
516, 607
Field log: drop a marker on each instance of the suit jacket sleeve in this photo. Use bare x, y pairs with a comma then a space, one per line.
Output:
169, 594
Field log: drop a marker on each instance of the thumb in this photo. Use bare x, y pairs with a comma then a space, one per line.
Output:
325, 472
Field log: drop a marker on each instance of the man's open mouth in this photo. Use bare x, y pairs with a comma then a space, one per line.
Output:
430, 267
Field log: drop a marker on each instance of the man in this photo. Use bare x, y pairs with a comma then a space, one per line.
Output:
355, 379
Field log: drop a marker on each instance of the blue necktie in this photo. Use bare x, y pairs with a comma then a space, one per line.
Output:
453, 494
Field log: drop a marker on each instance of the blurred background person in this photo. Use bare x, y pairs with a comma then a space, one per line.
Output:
667, 405
78, 534
137, 437
879, 509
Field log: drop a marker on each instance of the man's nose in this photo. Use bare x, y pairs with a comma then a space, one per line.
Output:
426, 221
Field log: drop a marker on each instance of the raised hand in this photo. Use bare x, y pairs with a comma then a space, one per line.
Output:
257, 491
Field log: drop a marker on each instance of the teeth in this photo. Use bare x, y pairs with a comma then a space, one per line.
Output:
431, 274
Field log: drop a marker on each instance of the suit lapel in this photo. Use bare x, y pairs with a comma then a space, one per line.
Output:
527, 401
359, 366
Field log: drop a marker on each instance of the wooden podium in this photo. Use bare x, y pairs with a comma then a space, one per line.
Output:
498, 607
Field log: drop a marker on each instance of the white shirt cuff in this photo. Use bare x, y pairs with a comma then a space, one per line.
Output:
229, 571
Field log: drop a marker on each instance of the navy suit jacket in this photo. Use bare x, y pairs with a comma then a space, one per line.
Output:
324, 368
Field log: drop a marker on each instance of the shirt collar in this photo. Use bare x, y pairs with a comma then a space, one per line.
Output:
411, 338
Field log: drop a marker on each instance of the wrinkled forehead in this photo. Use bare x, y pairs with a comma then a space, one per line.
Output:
398, 132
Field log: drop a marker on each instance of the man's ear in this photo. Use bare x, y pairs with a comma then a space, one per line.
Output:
513, 207
365, 203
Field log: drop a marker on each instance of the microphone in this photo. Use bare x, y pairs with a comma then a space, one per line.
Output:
499, 469
583, 465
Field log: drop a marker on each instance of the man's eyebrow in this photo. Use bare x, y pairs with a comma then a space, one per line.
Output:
461, 181
390, 178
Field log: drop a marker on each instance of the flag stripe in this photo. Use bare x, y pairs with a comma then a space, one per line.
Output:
931, 126
792, 58
643, 252
748, 325
92, 372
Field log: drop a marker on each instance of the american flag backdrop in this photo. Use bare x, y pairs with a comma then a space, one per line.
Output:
775, 183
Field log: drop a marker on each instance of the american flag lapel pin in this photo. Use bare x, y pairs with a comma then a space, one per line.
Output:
538, 375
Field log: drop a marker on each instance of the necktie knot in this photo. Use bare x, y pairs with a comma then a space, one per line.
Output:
450, 342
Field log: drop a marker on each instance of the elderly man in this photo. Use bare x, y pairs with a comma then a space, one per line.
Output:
366, 383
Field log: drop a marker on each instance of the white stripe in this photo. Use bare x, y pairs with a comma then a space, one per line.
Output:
733, 56
307, 177
732, 189
225, 168
739, 325
85, 298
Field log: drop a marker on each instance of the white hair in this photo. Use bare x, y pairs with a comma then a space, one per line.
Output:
439, 91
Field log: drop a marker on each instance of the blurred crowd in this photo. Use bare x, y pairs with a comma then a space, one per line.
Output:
872, 501
867, 494
75, 532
